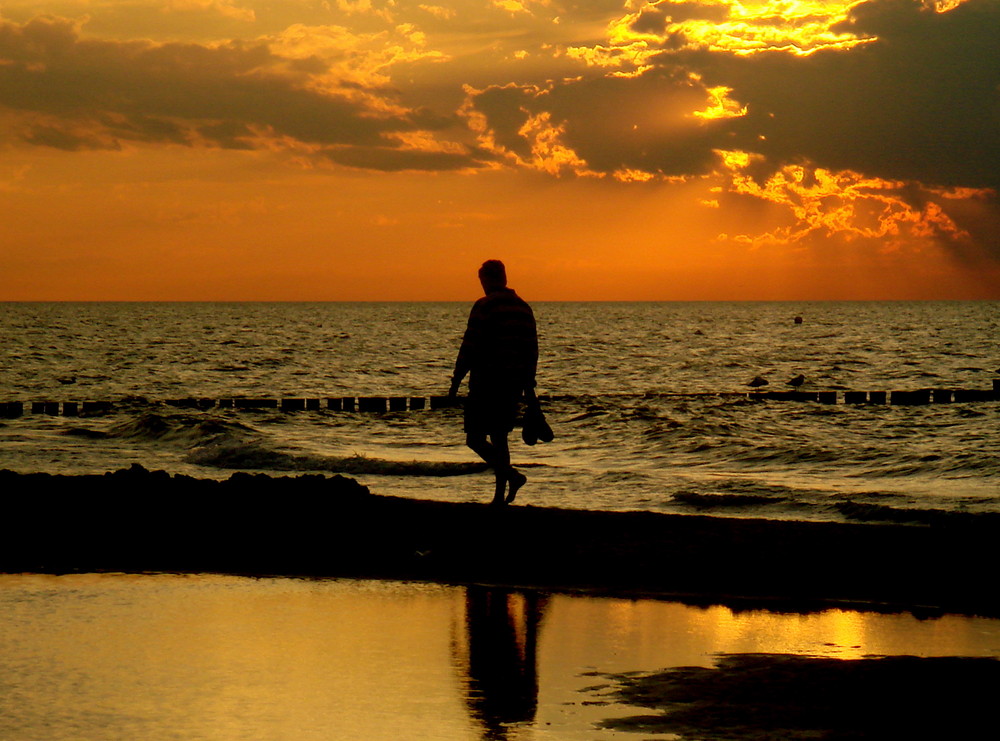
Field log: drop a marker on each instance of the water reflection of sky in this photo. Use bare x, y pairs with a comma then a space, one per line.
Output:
210, 657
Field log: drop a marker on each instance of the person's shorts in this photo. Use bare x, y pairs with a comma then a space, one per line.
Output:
491, 410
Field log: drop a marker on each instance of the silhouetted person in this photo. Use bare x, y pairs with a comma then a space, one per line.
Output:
501, 657
500, 354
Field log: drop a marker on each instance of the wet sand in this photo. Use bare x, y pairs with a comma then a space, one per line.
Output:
751, 697
140, 521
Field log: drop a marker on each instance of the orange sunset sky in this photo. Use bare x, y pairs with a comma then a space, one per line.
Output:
604, 149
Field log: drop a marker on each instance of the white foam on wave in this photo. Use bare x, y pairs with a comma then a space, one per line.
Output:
251, 456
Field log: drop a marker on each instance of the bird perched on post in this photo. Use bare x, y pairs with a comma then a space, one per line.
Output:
757, 382
797, 381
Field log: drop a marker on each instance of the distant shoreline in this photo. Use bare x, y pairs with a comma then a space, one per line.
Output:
315, 526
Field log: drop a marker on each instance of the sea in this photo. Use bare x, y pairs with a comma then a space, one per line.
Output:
649, 402
651, 410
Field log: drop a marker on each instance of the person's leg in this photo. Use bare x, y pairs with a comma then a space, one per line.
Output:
516, 480
476, 426
504, 472
493, 417
501, 464
480, 446
497, 457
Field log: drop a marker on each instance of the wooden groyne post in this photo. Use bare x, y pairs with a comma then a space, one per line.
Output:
11, 409
395, 404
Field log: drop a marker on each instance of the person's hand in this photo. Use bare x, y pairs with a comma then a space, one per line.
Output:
531, 398
453, 391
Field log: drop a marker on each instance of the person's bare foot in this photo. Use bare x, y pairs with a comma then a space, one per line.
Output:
516, 480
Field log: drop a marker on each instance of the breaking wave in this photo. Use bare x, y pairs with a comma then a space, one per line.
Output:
215, 442
260, 457
183, 429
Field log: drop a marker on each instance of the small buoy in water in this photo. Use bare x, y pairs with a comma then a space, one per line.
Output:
757, 382
699, 332
797, 381
798, 320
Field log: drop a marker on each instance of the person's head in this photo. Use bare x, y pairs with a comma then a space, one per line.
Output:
493, 275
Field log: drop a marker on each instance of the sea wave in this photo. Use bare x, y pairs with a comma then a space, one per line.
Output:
85, 433
218, 442
783, 504
863, 512
183, 429
254, 456
706, 502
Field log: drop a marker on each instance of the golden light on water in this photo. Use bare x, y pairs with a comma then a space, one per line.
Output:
223, 657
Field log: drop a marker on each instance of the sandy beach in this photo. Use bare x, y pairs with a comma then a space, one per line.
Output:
135, 520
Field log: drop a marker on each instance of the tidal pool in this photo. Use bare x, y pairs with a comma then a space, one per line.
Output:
94, 657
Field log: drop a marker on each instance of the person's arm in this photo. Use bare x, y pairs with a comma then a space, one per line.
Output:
456, 380
531, 398
529, 390
470, 342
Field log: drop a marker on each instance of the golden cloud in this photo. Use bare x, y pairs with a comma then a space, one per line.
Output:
346, 60
846, 204
799, 27
548, 151
537, 143
720, 105
226, 8
317, 92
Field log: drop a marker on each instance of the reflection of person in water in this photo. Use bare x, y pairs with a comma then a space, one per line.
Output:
500, 657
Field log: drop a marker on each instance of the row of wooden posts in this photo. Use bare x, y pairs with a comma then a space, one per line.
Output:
378, 404
908, 398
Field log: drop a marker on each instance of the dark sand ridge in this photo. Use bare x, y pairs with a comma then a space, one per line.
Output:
752, 697
140, 521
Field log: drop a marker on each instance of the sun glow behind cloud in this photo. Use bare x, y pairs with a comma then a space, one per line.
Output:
799, 27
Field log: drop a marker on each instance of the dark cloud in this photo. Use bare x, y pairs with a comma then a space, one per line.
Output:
914, 113
615, 133
504, 108
653, 19
96, 93
387, 159
613, 123
980, 218
920, 103
57, 137
227, 134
